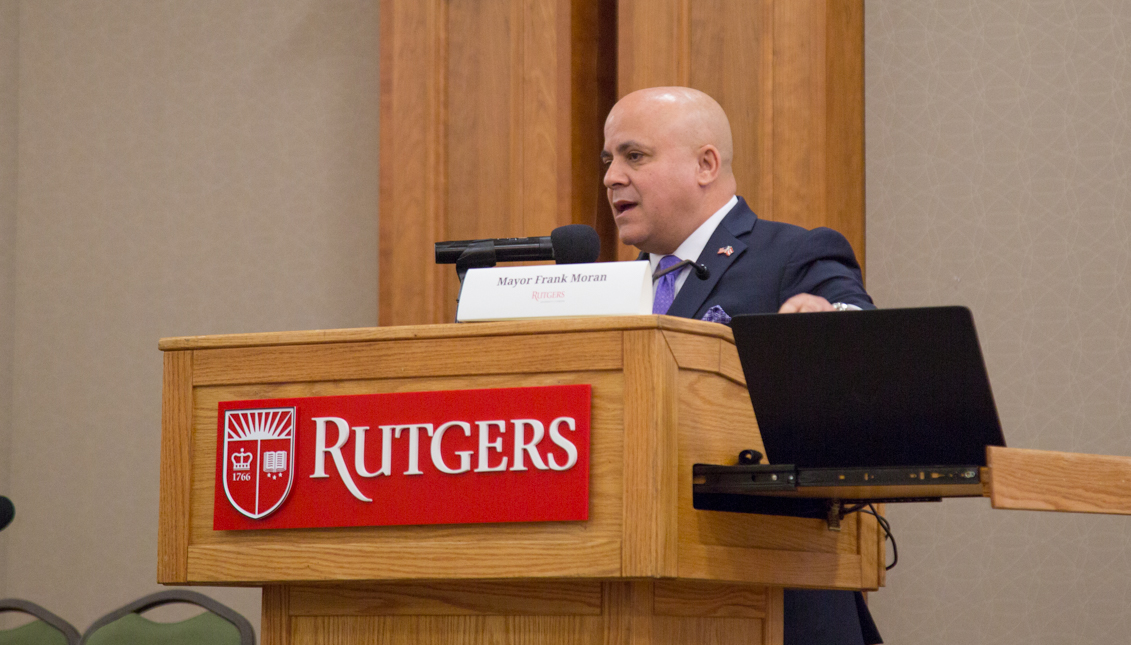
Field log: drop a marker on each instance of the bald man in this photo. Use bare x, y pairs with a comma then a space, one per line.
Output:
668, 156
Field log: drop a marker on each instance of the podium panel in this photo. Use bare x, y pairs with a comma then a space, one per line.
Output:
666, 393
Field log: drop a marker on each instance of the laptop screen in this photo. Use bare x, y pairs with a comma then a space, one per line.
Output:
890, 387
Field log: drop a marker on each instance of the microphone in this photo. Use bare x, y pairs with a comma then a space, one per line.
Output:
572, 244
701, 270
7, 512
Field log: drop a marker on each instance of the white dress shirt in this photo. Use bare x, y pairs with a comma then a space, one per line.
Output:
693, 246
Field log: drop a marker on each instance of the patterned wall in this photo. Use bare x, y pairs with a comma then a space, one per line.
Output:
999, 177
184, 168
9, 84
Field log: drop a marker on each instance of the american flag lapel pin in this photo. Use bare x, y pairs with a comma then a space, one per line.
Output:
726, 250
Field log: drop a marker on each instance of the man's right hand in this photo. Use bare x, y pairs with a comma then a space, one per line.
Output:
804, 303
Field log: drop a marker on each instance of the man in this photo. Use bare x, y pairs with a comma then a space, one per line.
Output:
668, 155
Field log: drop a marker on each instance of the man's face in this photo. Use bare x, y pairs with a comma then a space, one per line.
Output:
650, 177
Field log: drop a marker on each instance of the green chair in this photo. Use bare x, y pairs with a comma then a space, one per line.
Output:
47, 629
126, 626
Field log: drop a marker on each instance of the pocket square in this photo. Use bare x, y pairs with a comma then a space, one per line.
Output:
716, 315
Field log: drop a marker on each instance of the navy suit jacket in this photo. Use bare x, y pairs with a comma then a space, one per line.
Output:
769, 263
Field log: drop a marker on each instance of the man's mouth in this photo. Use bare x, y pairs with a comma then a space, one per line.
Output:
623, 205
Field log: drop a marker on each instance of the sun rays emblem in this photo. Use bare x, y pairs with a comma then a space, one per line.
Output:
258, 458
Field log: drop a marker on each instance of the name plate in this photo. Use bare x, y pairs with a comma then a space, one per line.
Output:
554, 291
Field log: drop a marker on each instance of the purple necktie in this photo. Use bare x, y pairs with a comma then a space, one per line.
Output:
665, 291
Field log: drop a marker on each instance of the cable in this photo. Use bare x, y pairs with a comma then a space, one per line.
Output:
886, 526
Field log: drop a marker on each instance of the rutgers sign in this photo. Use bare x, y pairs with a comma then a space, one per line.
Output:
449, 457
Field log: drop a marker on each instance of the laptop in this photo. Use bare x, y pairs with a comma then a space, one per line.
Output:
882, 405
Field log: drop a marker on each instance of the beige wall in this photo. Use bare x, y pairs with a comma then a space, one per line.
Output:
9, 82
999, 177
184, 167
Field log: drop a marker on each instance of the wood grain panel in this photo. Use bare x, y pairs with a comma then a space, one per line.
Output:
1041, 480
715, 631
693, 352
519, 597
593, 29
653, 44
871, 550
626, 608
413, 161
650, 418
514, 329
773, 628
789, 74
818, 116
448, 630
275, 628
773, 567
799, 112
481, 132
844, 116
176, 468
709, 598
436, 559
729, 364
732, 60
542, 84
454, 356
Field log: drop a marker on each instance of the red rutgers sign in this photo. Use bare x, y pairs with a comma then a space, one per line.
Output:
453, 457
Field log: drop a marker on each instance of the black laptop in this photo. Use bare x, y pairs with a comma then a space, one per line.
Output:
891, 405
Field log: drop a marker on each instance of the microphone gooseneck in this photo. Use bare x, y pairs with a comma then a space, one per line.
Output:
701, 271
571, 244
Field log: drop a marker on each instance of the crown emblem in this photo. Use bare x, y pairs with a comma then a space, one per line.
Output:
241, 460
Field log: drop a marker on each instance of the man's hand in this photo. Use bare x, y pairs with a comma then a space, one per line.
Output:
805, 303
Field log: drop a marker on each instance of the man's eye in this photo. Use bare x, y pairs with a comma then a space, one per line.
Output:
634, 156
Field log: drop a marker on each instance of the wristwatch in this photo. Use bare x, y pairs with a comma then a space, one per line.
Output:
843, 306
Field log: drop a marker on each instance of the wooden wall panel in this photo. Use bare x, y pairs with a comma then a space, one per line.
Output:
489, 115
412, 176
789, 73
732, 63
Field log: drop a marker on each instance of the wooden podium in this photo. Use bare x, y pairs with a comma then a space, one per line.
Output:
645, 568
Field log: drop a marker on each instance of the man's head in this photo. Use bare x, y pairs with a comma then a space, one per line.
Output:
668, 157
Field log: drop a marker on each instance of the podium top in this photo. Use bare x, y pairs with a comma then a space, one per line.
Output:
453, 330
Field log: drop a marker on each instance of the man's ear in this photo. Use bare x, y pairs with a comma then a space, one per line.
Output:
709, 162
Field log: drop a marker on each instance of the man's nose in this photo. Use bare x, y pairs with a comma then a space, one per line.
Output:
614, 176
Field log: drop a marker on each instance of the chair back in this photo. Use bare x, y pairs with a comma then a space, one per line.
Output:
47, 629
220, 625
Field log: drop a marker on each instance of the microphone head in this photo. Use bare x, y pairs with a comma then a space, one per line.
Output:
575, 244
7, 511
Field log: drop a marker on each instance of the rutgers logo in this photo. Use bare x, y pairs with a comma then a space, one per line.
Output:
259, 448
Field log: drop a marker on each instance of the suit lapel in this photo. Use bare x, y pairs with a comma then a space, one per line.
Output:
738, 222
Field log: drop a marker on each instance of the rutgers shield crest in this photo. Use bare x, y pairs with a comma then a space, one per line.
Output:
259, 449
